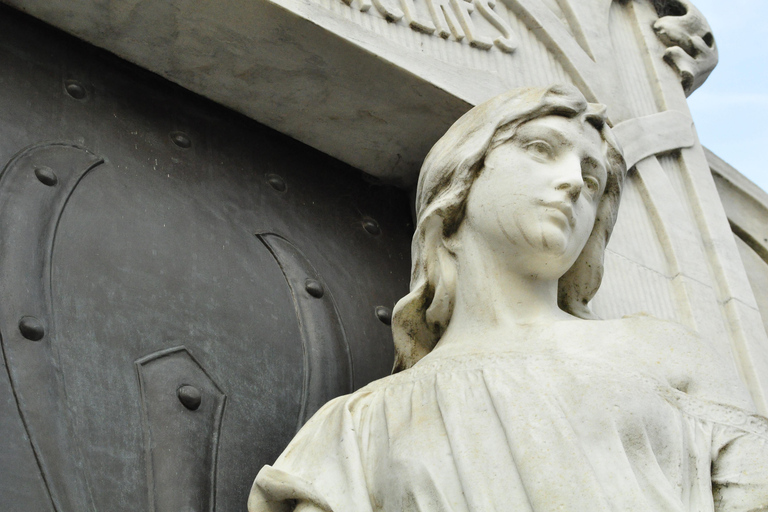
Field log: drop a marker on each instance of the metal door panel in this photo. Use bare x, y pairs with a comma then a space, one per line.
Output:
155, 248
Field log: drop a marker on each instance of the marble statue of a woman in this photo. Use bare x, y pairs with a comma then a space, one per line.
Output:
508, 395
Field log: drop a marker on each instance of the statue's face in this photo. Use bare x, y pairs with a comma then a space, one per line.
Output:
537, 196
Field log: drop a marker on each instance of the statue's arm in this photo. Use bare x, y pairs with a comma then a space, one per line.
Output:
740, 475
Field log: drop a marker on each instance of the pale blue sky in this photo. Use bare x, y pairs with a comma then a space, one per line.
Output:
731, 108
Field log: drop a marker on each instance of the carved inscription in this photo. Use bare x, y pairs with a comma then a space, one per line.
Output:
473, 20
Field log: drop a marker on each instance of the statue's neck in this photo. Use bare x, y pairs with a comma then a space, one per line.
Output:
493, 297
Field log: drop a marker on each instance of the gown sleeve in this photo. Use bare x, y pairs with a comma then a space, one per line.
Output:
322, 466
740, 468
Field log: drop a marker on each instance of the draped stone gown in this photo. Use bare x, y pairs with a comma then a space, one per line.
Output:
515, 432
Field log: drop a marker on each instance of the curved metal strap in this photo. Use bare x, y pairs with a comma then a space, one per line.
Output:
34, 189
327, 361
182, 408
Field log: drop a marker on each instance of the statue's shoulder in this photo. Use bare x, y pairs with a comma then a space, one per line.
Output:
706, 370
662, 336
360, 399
638, 334
658, 327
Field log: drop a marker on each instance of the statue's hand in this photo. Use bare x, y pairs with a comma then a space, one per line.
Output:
692, 50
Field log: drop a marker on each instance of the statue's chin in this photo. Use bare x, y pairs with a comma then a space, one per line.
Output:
549, 241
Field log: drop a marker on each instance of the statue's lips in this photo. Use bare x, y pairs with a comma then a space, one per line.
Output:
564, 208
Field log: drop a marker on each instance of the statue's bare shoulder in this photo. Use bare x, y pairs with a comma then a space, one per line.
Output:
688, 361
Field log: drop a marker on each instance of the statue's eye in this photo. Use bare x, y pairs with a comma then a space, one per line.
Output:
540, 149
591, 174
590, 183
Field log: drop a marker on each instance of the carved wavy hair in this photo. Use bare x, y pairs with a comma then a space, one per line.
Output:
449, 170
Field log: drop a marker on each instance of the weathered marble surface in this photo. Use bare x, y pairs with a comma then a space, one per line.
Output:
508, 397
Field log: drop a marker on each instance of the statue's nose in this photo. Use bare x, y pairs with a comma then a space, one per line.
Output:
569, 177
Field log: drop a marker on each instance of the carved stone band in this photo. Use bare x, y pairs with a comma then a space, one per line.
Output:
646, 136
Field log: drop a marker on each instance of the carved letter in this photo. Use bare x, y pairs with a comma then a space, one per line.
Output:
462, 10
445, 20
506, 42
425, 26
364, 5
392, 14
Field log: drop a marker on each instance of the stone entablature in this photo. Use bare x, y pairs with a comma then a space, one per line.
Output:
474, 21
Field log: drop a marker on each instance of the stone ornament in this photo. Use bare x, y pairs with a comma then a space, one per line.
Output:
508, 393
691, 51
